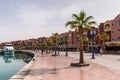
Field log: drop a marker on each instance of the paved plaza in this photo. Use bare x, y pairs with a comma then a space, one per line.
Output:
47, 67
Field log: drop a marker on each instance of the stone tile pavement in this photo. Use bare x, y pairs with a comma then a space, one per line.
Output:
109, 60
47, 67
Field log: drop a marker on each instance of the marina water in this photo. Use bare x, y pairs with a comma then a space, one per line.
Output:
11, 64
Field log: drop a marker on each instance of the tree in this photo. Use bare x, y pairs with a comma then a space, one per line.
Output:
85, 41
80, 22
34, 46
49, 43
65, 40
42, 46
55, 38
104, 36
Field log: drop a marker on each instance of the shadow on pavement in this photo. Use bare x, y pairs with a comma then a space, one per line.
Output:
47, 71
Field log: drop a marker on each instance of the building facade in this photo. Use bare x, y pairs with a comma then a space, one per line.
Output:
112, 28
115, 31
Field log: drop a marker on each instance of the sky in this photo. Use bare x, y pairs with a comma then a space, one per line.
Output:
25, 19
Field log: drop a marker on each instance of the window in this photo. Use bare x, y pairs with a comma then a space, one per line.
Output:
70, 35
118, 23
118, 38
93, 32
112, 38
107, 26
112, 24
119, 30
85, 33
77, 38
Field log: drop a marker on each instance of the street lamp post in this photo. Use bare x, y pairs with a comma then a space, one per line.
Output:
66, 42
93, 33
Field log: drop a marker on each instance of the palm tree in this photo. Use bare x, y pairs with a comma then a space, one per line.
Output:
34, 46
104, 36
85, 41
49, 43
55, 39
65, 40
42, 46
80, 22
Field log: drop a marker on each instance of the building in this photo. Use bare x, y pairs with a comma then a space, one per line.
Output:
18, 44
73, 39
67, 39
42, 40
115, 31
112, 28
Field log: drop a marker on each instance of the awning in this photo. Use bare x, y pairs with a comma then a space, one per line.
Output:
112, 43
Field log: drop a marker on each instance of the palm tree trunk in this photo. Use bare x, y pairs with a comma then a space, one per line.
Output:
49, 49
55, 50
66, 51
66, 47
104, 46
81, 60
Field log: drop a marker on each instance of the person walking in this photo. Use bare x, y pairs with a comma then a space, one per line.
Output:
42, 51
96, 50
101, 51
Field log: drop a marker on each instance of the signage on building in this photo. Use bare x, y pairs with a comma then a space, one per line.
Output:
113, 43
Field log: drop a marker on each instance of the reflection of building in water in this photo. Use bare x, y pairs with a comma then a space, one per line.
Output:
8, 58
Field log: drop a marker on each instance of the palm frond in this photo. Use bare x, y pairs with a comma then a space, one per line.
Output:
89, 18
72, 24
92, 23
85, 38
104, 36
69, 23
75, 16
88, 27
82, 15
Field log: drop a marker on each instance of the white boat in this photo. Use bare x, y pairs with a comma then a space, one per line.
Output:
8, 49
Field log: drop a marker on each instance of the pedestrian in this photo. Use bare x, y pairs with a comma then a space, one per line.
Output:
42, 51
101, 51
93, 52
96, 50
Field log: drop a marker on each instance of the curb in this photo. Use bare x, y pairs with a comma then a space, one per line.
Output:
22, 73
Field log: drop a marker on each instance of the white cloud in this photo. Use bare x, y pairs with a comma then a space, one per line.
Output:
43, 22
34, 18
40, 18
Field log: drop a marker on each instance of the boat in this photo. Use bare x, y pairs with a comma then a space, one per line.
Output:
8, 49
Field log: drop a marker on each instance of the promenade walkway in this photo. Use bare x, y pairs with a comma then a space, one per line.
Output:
47, 67
111, 61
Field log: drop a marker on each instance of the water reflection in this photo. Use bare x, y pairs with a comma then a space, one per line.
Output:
27, 59
11, 64
8, 58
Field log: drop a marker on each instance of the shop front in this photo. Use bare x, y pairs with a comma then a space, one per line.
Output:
113, 46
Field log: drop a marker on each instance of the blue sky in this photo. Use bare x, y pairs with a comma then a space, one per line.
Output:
24, 19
